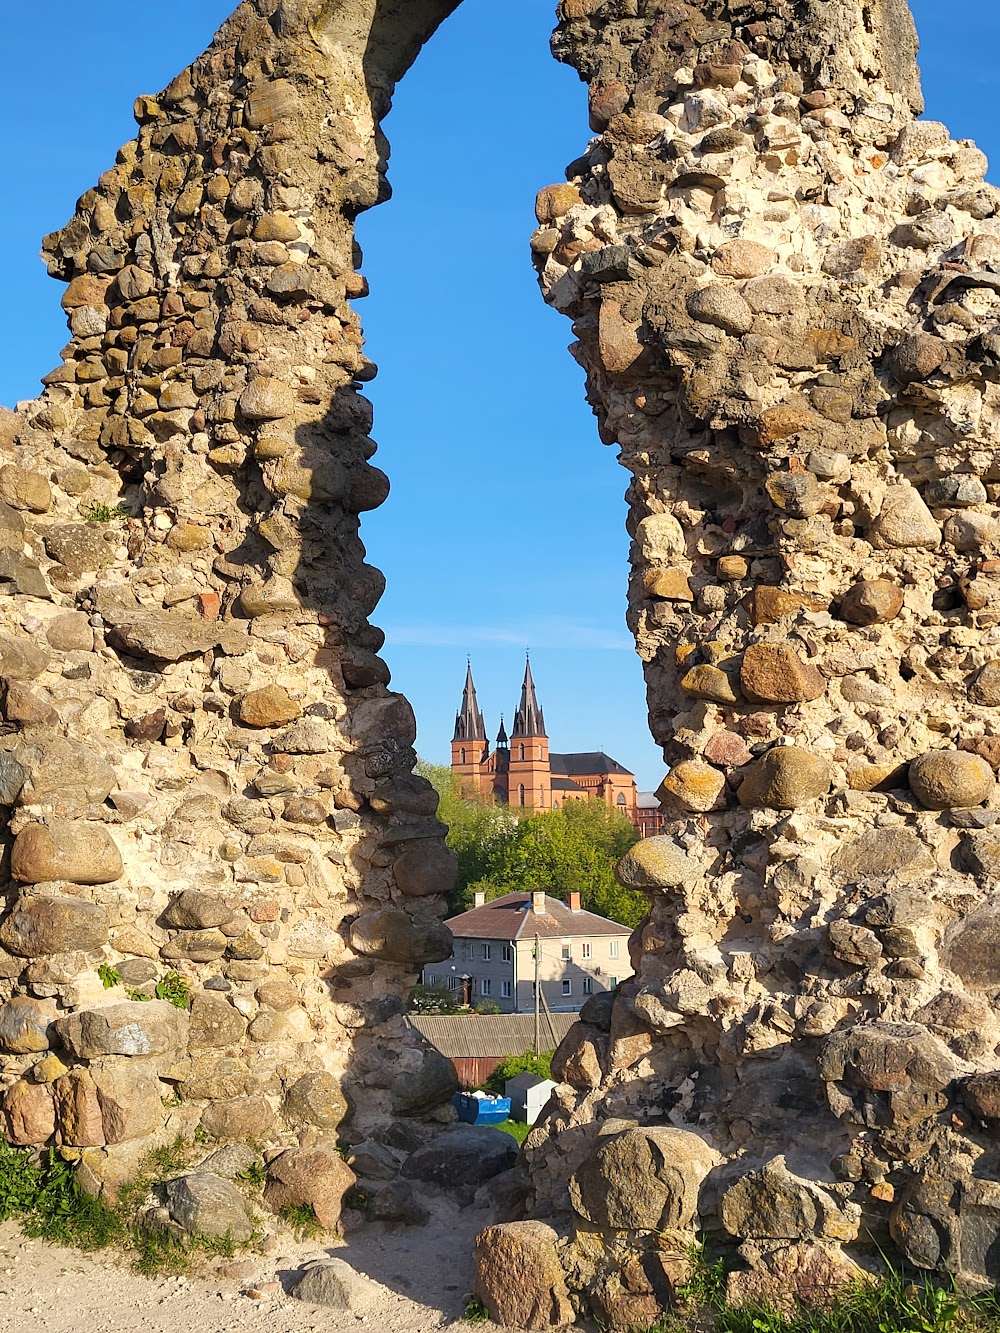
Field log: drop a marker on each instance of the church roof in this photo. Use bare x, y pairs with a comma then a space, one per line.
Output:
529, 720
647, 800
469, 724
566, 784
511, 918
590, 761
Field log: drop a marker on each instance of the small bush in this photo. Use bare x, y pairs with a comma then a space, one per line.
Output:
435, 999
525, 1063
174, 988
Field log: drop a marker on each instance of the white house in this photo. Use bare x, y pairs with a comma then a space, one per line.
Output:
579, 953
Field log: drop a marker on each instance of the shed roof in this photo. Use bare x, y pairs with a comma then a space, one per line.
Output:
524, 1082
489, 1036
511, 918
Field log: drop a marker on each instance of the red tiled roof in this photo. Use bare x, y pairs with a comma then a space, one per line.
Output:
511, 918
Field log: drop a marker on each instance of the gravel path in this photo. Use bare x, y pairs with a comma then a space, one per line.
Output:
420, 1280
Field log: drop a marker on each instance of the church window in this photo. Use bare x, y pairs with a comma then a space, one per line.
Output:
520, 790
463, 756
621, 798
522, 753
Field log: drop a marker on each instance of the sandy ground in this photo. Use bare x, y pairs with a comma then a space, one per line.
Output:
421, 1278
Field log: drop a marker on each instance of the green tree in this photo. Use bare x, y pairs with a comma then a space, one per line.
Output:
501, 851
525, 1063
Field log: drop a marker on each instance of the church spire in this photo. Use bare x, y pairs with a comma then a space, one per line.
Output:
529, 720
502, 741
469, 724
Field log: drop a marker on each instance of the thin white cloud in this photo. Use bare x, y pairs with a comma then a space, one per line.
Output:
552, 632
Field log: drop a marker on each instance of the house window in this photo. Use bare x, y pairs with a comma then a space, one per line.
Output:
432, 979
505, 989
588, 985
453, 983
612, 982
485, 986
586, 949
567, 986
567, 952
506, 953
487, 952
612, 948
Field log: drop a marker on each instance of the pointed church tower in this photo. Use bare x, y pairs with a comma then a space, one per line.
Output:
530, 784
469, 750
500, 766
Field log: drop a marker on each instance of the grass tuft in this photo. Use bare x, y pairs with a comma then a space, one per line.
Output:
891, 1304
517, 1129
302, 1220
98, 512
475, 1311
39, 1191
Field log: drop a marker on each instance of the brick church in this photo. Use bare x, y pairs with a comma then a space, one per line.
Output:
521, 770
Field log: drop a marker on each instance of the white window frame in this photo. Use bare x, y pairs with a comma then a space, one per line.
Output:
506, 953
588, 985
586, 950
612, 948
567, 953
567, 986
487, 952
505, 990
485, 986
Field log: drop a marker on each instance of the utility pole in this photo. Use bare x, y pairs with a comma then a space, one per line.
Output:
538, 993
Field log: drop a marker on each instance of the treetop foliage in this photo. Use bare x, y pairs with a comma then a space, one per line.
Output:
502, 850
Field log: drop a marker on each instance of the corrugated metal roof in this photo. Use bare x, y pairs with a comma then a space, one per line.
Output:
511, 918
489, 1035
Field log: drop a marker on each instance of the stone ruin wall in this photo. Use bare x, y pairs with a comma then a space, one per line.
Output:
785, 295
203, 768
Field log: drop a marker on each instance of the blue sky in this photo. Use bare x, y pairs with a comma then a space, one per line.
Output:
505, 528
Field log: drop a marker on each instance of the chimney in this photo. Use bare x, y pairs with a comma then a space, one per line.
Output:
479, 898
538, 902
573, 902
